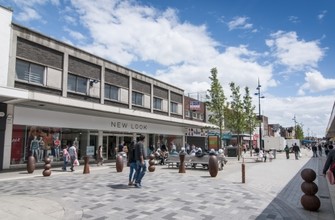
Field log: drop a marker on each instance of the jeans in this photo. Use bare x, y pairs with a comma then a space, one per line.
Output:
73, 158
132, 174
64, 164
140, 171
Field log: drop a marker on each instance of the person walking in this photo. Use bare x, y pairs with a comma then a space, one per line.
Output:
320, 149
99, 156
287, 151
296, 150
132, 163
140, 163
314, 149
66, 158
73, 155
330, 162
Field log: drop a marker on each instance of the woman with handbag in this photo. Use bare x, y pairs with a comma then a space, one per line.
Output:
73, 156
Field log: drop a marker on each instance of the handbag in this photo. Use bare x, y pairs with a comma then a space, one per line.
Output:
332, 167
330, 177
76, 162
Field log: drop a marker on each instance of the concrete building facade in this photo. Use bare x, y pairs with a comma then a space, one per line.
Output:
60, 95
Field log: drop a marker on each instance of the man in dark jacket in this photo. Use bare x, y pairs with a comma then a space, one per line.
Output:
140, 162
330, 160
296, 150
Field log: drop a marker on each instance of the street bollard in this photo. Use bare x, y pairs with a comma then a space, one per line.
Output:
47, 167
309, 200
182, 162
151, 167
243, 172
86, 165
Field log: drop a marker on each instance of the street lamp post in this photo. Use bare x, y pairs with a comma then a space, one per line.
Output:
259, 113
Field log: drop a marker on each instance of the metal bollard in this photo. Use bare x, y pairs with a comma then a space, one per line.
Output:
86, 165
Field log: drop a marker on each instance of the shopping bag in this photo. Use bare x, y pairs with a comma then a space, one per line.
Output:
330, 177
76, 162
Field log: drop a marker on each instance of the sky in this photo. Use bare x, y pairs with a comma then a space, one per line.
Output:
288, 45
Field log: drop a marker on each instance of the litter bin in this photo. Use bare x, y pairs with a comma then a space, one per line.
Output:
274, 152
232, 151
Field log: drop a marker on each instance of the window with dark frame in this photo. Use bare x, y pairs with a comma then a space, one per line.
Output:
137, 98
77, 84
157, 103
174, 107
111, 92
30, 72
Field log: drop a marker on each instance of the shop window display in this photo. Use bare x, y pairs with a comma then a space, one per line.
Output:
37, 141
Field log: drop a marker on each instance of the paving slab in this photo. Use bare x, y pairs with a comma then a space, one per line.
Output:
271, 191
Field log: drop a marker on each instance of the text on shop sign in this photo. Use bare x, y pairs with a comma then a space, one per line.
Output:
129, 125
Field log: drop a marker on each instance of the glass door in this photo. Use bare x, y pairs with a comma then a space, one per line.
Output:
108, 145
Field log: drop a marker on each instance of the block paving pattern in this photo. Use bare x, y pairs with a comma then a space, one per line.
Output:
169, 195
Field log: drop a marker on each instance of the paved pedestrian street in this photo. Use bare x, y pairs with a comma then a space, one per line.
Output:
272, 191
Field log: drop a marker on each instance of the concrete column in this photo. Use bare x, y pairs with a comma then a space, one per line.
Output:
152, 98
102, 84
130, 93
8, 137
65, 73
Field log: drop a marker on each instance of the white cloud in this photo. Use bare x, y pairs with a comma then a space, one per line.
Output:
28, 14
29, 9
75, 35
294, 53
239, 23
312, 112
294, 19
315, 82
126, 32
322, 14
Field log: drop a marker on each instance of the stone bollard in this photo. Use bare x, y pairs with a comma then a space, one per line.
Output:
182, 162
309, 201
47, 166
213, 166
31, 164
151, 167
119, 163
86, 165
243, 172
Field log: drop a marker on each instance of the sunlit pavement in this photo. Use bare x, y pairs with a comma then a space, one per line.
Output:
271, 191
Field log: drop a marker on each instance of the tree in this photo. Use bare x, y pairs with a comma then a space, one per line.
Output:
216, 105
239, 114
299, 132
250, 114
235, 117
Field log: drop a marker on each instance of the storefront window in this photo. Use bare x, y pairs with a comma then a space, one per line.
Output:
43, 141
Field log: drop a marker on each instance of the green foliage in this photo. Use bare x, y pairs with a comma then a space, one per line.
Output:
299, 132
216, 105
240, 117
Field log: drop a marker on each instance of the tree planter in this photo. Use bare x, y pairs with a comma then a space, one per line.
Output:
213, 166
31, 164
119, 163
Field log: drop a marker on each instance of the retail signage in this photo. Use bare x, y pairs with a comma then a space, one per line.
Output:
29, 116
90, 151
194, 105
133, 126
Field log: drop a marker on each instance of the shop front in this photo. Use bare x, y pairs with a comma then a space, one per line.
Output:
44, 133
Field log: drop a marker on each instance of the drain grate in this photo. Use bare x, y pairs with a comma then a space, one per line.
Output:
324, 197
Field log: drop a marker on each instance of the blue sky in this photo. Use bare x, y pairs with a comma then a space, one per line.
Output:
287, 44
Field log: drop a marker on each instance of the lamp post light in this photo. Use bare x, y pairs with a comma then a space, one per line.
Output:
259, 113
